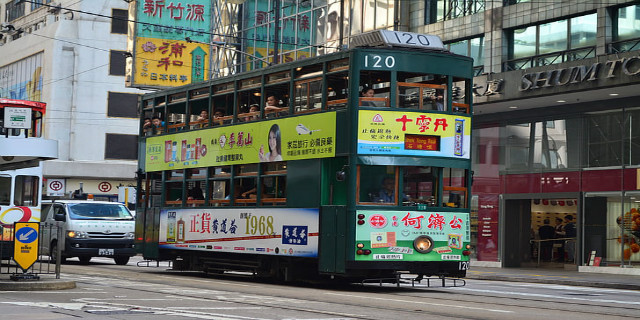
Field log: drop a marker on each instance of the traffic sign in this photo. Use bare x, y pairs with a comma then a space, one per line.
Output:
25, 244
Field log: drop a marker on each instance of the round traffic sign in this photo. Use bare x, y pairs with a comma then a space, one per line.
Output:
26, 235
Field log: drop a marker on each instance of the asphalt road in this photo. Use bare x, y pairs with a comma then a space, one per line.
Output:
107, 291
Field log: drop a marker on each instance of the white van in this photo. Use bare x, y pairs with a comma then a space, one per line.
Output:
89, 229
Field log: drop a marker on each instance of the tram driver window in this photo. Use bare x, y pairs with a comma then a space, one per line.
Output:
26, 191
454, 191
377, 185
420, 185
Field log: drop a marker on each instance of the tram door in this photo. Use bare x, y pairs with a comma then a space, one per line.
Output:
516, 233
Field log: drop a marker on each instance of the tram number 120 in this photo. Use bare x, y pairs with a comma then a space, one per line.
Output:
464, 265
376, 61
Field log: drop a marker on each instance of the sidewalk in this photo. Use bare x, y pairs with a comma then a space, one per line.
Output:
557, 276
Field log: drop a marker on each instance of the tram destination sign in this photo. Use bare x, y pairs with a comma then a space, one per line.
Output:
17, 118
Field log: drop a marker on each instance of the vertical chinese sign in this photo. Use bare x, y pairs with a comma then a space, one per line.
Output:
162, 56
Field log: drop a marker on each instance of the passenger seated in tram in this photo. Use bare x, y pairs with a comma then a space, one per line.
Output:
367, 92
273, 107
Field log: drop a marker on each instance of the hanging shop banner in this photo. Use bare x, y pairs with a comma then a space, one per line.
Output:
285, 231
162, 57
390, 234
174, 20
305, 137
167, 63
413, 133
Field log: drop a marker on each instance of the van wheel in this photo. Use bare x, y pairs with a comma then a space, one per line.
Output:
53, 253
84, 259
121, 261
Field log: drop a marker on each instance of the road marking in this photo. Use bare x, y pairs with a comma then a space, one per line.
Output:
56, 305
458, 306
541, 295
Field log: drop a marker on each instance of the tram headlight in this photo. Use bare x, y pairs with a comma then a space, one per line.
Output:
423, 244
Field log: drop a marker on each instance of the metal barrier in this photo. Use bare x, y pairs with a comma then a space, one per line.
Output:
567, 241
43, 265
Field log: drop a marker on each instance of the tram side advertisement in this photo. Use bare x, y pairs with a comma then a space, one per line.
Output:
414, 134
284, 231
390, 235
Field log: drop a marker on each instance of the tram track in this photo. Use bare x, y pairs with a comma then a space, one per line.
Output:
472, 300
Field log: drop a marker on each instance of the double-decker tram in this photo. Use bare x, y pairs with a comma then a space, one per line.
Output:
349, 165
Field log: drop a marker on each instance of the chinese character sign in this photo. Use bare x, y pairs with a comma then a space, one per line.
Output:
174, 20
304, 137
393, 232
413, 133
169, 63
283, 231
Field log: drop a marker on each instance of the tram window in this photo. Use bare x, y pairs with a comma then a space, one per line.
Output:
248, 98
422, 96
281, 94
309, 71
197, 173
274, 190
420, 185
173, 193
195, 193
222, 171
220, 192
337, 86
275, 167
247, 169
177, 118
308, 95
377, 185
246, 191
5, 189
380, 82
222, 108
25, 192
454, 192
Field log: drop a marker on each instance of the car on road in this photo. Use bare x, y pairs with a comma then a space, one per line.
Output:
86, 229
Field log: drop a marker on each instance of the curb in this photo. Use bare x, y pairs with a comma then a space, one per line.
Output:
36, 285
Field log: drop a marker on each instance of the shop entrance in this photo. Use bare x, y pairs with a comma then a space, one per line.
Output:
534, 233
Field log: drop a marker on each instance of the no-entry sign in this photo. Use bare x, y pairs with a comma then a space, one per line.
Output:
25, 244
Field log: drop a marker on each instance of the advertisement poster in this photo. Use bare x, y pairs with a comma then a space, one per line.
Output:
282, 231
305, 137
390, 235
414, 133
162, 55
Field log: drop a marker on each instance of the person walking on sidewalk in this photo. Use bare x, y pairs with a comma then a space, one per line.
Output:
570, 232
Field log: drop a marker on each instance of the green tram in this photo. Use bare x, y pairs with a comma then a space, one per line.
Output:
331, 179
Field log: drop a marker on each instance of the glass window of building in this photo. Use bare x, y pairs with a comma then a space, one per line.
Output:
551, 43
473, 48
450, 9
625, 30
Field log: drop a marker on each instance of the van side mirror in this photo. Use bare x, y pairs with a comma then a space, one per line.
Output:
58, 216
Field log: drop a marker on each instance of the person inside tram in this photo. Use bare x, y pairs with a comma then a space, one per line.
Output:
273, 107
157, 124
437, 100
367, 92
386, 194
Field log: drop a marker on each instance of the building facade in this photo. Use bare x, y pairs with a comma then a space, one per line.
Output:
556, 124
71, 55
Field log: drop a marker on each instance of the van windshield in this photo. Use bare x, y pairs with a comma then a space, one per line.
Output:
98, 211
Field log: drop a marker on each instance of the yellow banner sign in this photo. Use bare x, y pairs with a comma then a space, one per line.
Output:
414, 133
25, 244
170, 63
295, 138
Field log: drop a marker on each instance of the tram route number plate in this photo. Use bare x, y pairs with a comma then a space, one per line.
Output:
464, 265
105, 252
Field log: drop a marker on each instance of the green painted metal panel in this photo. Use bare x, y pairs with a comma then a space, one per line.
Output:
303, 181
332, 252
